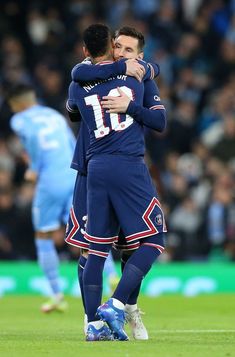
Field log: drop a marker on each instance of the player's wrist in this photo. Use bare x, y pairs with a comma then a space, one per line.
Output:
121, 66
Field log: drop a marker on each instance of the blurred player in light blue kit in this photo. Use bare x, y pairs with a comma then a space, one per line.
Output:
49, 144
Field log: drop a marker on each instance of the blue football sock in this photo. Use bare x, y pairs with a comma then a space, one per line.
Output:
93, 285
137, 267
49, 262
132, 300
81, 266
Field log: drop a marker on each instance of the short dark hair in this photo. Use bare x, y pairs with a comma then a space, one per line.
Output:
18, 90
132, 32
97, 38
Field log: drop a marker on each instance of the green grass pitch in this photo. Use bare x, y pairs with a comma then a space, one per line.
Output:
178, 326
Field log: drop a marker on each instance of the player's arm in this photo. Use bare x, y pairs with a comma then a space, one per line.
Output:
71, 105
141, 70
152, 114
87, 72
31, 150
34, 151
152, 70
74, 117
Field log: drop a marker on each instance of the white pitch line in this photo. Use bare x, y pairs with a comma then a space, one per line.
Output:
194, 331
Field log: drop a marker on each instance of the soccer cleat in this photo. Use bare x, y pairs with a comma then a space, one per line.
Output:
102, 334
54, 304
138, 329
115, 318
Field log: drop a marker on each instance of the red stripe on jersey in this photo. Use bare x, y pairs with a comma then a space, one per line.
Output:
77, 243
99, 239
159, 106
151, 71
157, 246
131, 246
98, 253
151, 227
69, 239
69, 109
104, 62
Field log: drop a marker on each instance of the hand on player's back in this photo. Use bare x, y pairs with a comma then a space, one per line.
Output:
116, 104
135, 69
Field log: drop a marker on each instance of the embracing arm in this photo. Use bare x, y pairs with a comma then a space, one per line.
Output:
87, 72
71, 106
141, 70
152, 114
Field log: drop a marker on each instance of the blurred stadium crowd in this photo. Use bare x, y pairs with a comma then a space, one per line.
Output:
193, 163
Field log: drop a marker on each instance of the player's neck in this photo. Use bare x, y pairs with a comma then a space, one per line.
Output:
103, 58
22, 106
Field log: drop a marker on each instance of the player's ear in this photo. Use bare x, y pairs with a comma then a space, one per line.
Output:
85, 51
140, 55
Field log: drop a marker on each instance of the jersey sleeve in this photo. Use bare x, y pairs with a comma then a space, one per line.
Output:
29, 142
152, 114
71, 104
152, 70
87, 72
32, 148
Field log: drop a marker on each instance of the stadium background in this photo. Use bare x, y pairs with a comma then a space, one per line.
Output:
193, 163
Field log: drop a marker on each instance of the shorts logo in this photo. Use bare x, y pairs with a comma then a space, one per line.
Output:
158, 219
157, 98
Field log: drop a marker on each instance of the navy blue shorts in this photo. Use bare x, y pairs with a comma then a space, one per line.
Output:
76, 224
121, 196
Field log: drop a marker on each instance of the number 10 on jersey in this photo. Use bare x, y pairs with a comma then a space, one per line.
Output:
116, 125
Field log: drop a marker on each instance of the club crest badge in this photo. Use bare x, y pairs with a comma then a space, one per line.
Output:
158, 219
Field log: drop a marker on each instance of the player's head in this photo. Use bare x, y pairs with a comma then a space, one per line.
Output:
97, 40
20, 97
128, 43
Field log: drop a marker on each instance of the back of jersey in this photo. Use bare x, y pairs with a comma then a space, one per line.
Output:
48, 140
109, 132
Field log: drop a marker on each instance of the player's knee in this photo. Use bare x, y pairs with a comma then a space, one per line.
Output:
105, 248
84, 253
156, 242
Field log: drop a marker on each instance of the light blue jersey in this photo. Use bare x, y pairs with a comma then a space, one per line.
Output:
49, 143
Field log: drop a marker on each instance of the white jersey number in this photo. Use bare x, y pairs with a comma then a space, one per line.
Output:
46, 132
116, 124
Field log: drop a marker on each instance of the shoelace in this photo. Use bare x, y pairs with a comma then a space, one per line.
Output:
135, 315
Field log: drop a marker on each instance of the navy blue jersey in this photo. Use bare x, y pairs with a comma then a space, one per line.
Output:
117, 133
86, 71
79, 157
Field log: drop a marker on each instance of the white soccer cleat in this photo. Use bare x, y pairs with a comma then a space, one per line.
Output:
138, 329
55, 304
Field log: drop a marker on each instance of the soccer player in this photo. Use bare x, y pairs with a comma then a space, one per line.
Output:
129, 43
120, 191
49, 144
